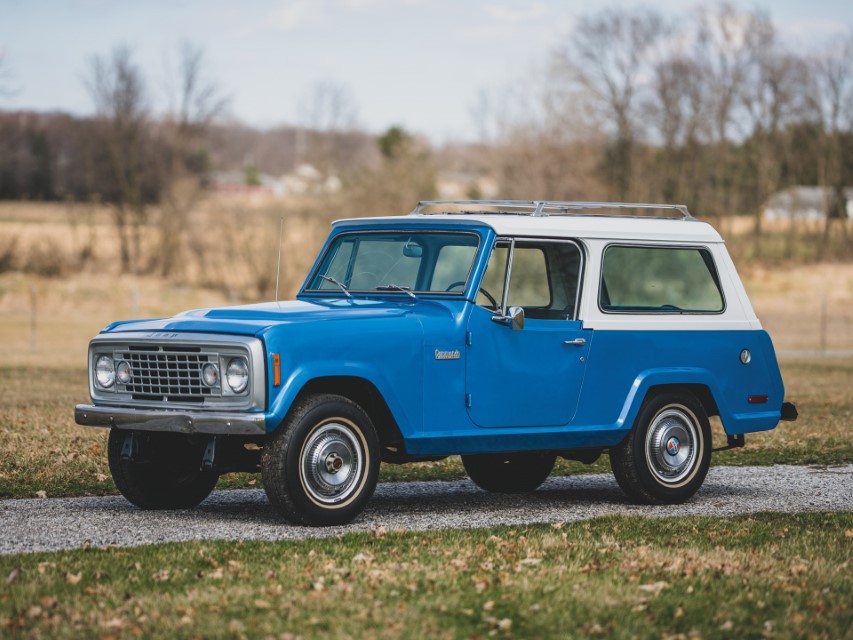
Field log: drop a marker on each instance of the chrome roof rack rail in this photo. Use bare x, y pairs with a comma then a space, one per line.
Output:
536, 208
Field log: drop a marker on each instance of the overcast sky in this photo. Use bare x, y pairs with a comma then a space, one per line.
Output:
416, 63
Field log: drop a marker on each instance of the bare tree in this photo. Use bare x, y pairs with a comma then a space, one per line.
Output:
676, 114
328, 111
196, 100
772, 98
118, 90
832, 76
726, 41
609, 54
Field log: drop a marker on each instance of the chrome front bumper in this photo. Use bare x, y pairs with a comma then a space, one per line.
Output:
245, 424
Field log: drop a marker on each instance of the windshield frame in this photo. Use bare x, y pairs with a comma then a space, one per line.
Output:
335, 238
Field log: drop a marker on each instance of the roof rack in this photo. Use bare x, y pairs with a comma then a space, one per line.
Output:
536, 207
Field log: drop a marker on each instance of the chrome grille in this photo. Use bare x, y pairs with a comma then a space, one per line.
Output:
172, 375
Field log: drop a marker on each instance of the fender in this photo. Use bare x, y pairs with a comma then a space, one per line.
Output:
281, 402
733, 423
668, 376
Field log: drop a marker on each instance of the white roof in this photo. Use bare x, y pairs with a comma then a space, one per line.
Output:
571, 226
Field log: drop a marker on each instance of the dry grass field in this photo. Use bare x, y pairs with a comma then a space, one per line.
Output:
42, 365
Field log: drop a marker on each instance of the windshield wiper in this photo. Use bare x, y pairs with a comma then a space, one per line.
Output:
397, 287
339, 283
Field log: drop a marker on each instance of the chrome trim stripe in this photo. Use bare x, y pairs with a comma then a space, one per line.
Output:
248, 424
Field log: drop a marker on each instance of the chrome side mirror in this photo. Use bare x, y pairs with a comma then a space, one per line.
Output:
514, 318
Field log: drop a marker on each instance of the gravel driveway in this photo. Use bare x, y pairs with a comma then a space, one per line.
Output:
67, 523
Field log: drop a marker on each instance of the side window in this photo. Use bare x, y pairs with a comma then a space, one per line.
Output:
452, 267
659, 280
528, 284
544, 278
491, 291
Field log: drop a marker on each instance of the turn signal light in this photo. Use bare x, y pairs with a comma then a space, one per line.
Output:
276, 370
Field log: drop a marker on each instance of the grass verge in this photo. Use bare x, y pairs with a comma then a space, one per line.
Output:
44, 451
767, 575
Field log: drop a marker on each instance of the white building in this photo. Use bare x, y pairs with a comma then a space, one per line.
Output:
806, 204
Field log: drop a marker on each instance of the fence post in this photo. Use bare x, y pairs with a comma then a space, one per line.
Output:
33, 319
823, 322
134, 301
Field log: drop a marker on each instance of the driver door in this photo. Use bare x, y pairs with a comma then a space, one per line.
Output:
528, 377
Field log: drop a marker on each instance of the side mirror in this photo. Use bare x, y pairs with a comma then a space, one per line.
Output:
514, 318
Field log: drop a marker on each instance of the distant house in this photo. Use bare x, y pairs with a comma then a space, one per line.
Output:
306, 179
807, 204
237, 183
457, 185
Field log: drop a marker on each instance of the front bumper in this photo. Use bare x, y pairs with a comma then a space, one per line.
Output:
244, 424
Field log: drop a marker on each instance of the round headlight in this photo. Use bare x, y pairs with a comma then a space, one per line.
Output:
237, 375
210, 374
105, 371
123, 373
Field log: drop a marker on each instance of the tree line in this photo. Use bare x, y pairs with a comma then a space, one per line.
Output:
716, 111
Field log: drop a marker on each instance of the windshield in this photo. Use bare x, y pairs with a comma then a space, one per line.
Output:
419, 262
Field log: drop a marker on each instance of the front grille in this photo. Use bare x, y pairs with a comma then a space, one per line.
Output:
172, 376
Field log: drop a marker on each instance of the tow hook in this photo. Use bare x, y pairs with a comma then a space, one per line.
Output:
209, 458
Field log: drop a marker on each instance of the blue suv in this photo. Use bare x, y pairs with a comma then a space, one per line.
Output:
507, 332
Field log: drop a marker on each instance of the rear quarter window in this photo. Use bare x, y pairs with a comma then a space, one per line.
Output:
659, 280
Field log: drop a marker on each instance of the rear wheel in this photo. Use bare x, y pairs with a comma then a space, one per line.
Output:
509, 472
159, 470
665, 458
321, 466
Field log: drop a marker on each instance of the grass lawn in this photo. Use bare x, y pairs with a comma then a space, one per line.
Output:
43, 450
768, 575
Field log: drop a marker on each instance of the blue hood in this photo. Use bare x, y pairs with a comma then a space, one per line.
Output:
254, 319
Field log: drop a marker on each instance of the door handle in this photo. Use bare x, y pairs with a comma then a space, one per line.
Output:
577, 342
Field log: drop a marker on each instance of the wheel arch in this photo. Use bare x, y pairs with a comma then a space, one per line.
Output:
700, 383
702, 392
365, 394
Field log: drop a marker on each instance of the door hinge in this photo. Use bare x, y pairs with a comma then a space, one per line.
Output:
468, 338
468, 400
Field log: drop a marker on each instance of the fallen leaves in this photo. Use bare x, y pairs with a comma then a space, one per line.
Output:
654, 587
73, 578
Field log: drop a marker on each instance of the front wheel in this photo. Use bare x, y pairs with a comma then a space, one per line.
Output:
159, 470
321, 466
509, 472
665, 458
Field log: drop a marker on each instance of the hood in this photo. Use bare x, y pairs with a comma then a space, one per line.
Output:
254, 319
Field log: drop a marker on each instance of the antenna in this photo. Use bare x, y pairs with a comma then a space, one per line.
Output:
278, 267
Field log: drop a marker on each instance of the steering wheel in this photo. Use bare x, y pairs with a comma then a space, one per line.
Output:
458, 283
490, 297
482, 290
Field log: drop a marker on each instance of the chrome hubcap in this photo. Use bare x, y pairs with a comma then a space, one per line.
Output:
671, 443
332, 463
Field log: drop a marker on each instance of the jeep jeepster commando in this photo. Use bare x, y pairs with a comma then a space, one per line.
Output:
507, 332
